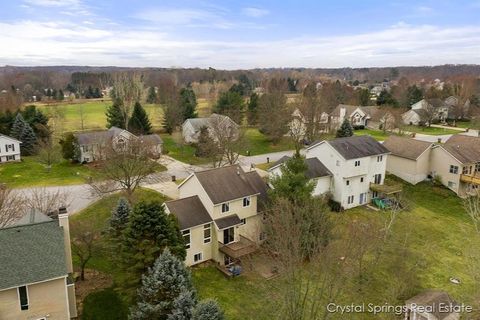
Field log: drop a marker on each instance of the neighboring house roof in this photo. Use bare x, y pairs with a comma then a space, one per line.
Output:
31, 253
229, 183
86, 138
406, 147
349, 109
465, 149
198, 123
423, 114
357, 147
151, 138
189, 212
228, 222
433, 299
10, 138
34, 216
315, 168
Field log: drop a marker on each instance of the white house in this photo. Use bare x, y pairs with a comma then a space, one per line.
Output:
191, 127
299, 123
91, 144
9, 149
432, 305
359, 116
316, 171
220, 214
355, 163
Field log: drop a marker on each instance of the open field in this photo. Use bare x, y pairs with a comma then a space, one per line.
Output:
376, 134
430, 130
436, 232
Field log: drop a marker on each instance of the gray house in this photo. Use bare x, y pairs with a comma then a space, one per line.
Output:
191, 127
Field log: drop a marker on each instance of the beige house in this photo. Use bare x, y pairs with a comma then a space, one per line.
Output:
298, 124
409, 158
191, 128
220, 214
35, 267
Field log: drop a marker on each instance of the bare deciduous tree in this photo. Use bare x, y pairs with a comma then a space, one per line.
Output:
227, 139
84, 242
472, 207
48, 153
12, 206
312, 107
129, 88
46, 200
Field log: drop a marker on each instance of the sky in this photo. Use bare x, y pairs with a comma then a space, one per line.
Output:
239, 34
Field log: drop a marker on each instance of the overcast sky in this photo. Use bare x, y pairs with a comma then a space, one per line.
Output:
239, 34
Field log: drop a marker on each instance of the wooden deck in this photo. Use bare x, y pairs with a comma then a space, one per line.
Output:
238, 249
471, 178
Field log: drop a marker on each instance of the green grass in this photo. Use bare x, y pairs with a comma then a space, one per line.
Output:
105, 304
175, 148
430, 130
257, 143
29, 172
376, 134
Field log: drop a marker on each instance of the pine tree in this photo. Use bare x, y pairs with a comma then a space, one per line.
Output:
18, 127
115, 115
29, 141
69, 146
208, 310
183, 306
120, 214
165, 286
345, 130
151, 95
139, 122
252, 107
188, 103
231, 104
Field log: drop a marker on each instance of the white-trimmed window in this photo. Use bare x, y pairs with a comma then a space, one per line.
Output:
198, 257
10, 158
453, 169
361, 179
350, 199
243, 221
23, 297
379, 158
207, 233
225, 207
452, 185
357, 163
186, 238
246, 202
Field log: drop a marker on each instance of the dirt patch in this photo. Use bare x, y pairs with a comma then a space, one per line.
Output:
94, 281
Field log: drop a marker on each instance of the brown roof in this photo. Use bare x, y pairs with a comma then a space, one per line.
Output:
189, 212
229, 183
434, 299
227, 222
465, 149
406, 147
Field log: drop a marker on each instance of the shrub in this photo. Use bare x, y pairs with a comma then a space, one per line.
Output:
105, 305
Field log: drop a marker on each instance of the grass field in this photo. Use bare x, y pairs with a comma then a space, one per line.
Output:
176, 149
257, 143
436, 231
376, 134
430, 130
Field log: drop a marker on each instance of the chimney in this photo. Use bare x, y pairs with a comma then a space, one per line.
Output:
63, 222
439, 140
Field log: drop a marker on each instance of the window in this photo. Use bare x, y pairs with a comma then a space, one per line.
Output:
452, 185
198, 257
10, 158
186, 238
357, 163
207, 233
225, 207
379, 158
465, 170
246, 201
350, 199
9, 147
477, 167
453, 169
348, 182
262, 236
228, 235
23, 296
243, 221
377, 178
361, 179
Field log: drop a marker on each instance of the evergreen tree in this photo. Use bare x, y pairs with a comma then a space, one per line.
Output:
386, 98
187, 103
151, 95
149, 230
345, 130
165, 287
69, 144
115, 115
18, 127
54, 94
97, 94
364, 97
292, 184
49, 92
60, 95
252, 107
414, 94
139, 122
120, 214
208, 310
22, 131
231, 104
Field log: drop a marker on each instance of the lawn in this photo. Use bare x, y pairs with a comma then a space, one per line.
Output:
430, 130
257, 143
175, 148
67, 116
29, 172
376, 134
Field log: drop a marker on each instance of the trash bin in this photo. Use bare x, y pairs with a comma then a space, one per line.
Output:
174, 178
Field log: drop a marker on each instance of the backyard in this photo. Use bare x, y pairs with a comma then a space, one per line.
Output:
436, 231
434, 131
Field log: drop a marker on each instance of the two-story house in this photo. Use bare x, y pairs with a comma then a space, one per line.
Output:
219, 214
9, 149
359, 116
191, 128
35, 269
91, 145
355, 163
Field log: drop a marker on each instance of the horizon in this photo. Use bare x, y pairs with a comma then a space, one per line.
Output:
239, 36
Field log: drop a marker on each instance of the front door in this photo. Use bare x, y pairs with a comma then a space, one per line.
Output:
378, 178
228, 235
362, 198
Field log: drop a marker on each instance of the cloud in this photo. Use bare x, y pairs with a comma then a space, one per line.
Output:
53, 3
255, 12
63, 43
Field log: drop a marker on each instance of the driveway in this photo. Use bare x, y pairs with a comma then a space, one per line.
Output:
263, 158
444, 137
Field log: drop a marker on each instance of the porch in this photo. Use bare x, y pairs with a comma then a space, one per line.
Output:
238, 249
471, 178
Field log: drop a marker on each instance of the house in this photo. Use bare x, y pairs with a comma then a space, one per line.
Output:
439, 110
356, 163
9, 149
219, 212
91, 144
36, 265
316, 172
359, 116
191, 127
409, 159
299, 123
456, 163
416, 117
431, 305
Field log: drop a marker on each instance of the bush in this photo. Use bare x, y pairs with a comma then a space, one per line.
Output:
105, 305
335, 206
360, 127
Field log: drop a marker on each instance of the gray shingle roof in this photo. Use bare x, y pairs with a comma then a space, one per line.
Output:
10, 138
152, 138
31, 253
228, 183
315, 168
464, 148
406, 147
190, 212
227, 222
433, 299
199, 123
357, 147
86, 138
